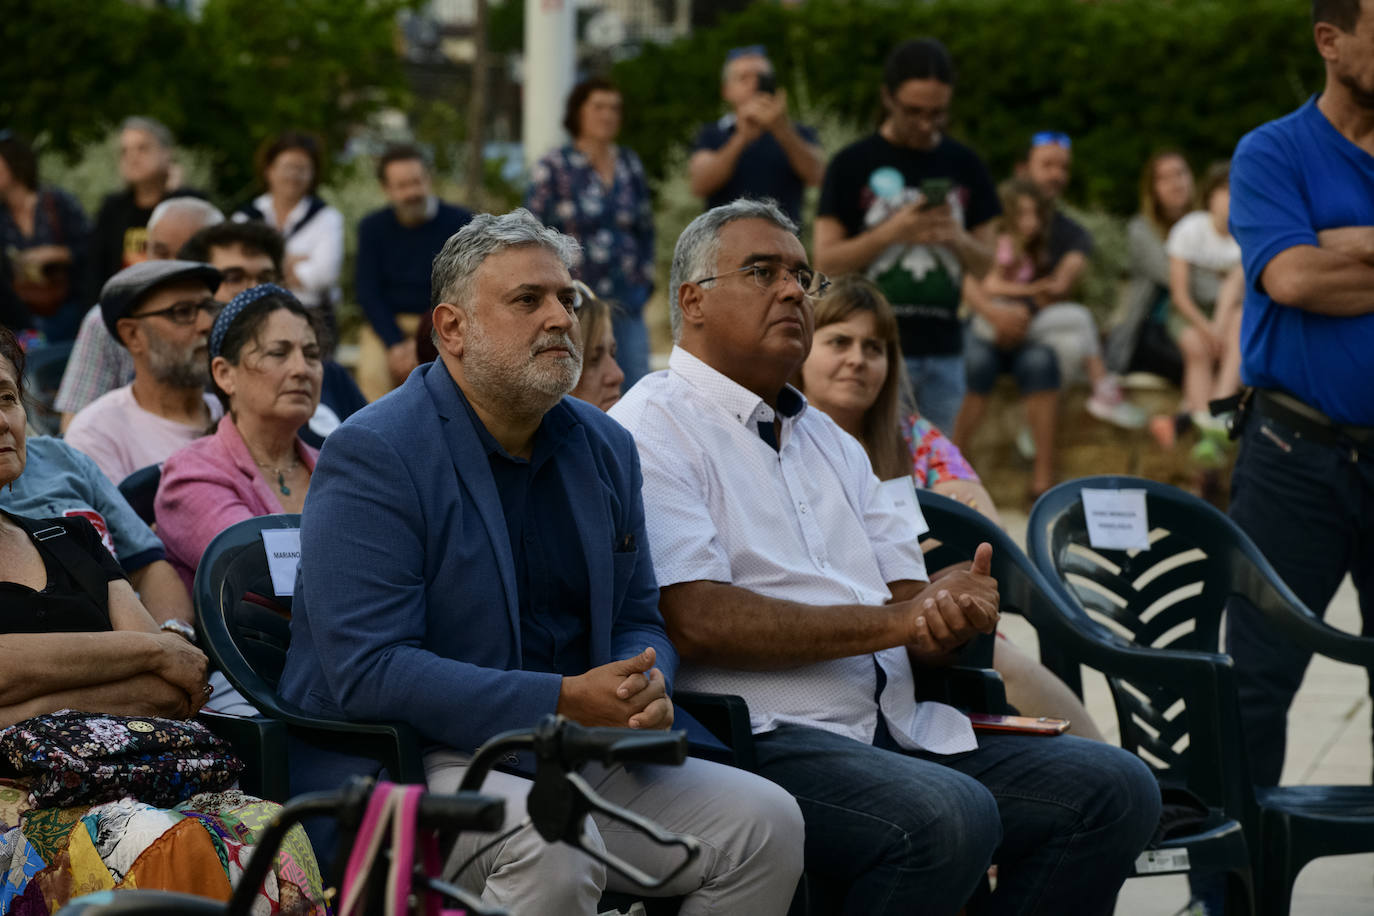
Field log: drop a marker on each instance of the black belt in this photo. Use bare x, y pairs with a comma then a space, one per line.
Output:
1311, 423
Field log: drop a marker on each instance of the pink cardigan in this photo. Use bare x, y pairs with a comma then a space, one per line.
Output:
208, 486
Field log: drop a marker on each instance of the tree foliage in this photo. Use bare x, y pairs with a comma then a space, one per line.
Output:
317, 65
1122, 77
241, 72
72, 67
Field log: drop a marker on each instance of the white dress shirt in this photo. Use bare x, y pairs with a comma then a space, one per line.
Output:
321, 241
805, 523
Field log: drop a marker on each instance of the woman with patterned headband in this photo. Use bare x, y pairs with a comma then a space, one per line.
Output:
265, 367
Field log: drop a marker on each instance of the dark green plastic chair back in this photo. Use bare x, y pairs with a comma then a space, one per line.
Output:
959, 530
139, 490
1170, 597
247, 629
1175, 693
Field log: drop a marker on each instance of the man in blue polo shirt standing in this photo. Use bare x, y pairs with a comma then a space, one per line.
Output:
1302, 208
755, 150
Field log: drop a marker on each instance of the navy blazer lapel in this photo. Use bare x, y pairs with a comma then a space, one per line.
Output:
474, 470
595, 530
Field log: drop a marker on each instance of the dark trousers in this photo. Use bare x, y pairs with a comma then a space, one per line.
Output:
1310, 510
1063, 818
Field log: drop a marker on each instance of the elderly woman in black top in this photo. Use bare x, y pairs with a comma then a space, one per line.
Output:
73, 634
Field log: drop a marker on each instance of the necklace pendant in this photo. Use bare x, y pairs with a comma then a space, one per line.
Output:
281, 484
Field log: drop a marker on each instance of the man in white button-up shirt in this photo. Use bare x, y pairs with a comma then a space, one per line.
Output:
789, 577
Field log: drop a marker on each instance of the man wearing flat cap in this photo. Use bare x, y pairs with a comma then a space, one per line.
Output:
161, 312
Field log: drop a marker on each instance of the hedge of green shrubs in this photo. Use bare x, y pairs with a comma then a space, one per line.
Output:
1122, 77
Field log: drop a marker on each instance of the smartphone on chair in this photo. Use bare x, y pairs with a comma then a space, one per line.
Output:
1019, 725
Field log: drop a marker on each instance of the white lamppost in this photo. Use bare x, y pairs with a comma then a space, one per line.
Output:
550, 62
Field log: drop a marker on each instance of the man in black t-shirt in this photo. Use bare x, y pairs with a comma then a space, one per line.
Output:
913, 210
756, 150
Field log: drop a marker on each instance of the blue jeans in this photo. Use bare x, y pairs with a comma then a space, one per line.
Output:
1310, 510
938, 383
1033, 365
1064, 819
632, 346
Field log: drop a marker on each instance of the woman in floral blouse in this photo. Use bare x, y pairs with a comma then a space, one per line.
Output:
596, 192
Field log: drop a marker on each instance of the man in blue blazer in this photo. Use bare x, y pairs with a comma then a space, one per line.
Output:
473, 557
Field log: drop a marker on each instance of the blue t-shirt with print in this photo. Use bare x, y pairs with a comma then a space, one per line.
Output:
1290, 179
60, 482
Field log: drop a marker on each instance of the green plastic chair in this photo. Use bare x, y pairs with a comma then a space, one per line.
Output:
139, 490
1151, 622
245, 630
1216, 844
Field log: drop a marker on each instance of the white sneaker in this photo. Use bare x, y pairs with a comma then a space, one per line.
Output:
1207, 423
1110, 405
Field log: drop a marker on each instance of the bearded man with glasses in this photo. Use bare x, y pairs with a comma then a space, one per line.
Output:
161, 312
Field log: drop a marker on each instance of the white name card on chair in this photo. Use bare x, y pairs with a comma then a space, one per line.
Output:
283, 546
1116, 519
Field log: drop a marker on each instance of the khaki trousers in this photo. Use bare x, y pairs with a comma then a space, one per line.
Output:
751, 833
374, 378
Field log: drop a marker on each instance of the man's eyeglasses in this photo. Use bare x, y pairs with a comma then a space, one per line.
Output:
813, 283
1051, 138
185, 312
914, 112
237, 276
583, 293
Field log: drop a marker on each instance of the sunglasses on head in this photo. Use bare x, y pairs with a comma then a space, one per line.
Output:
1051, 138
746, 51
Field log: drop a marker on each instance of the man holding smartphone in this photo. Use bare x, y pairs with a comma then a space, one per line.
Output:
913, 210
755, 150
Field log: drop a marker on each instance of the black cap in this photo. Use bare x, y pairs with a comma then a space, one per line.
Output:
125, 290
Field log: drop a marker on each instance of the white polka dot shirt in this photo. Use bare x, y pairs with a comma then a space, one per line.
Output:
806, 523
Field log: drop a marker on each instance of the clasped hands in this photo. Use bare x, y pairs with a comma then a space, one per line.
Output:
959, 603
184, 667
1010, 321
631, 693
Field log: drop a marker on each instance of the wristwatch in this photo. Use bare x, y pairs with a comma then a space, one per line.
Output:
181, 628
